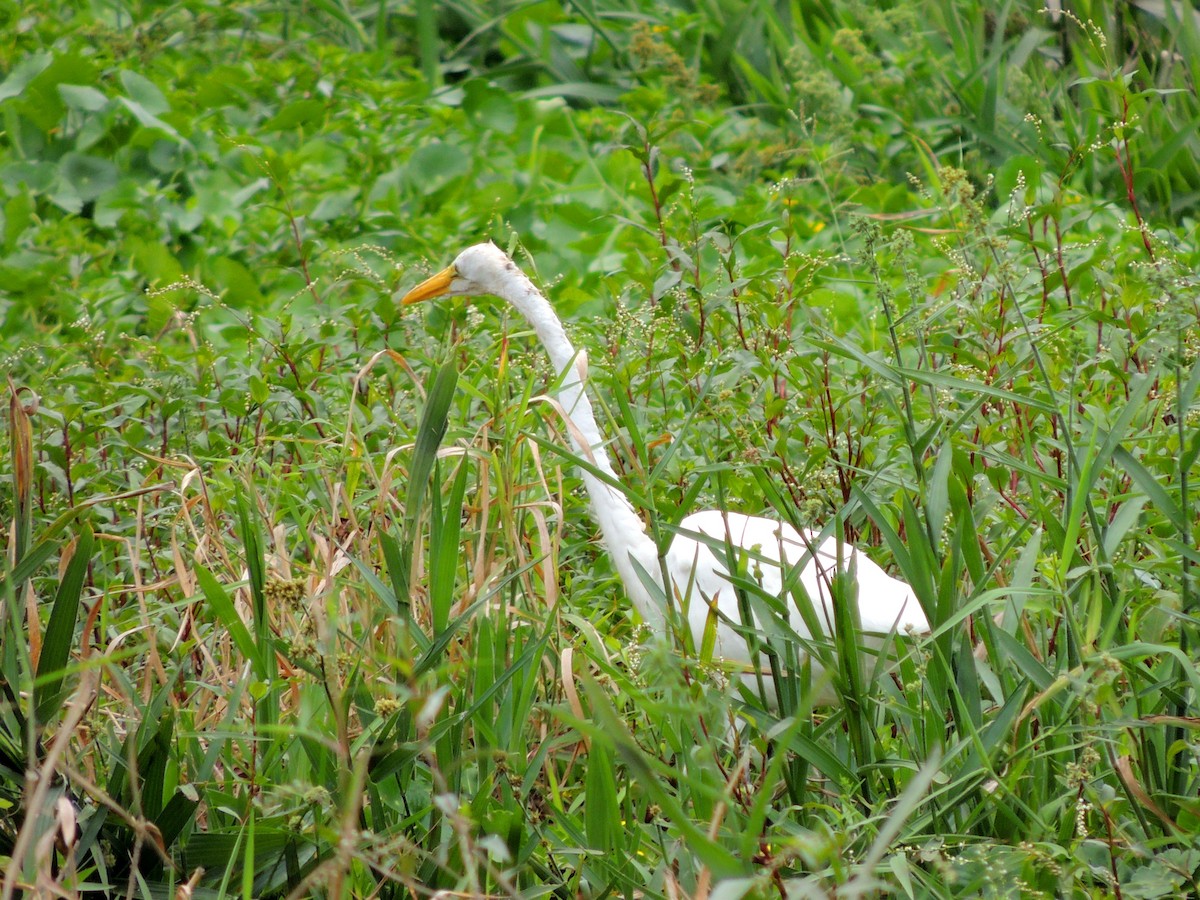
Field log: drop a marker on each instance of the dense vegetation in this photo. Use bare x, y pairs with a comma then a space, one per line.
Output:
301, 593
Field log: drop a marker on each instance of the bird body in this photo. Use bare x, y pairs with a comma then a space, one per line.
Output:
698, 581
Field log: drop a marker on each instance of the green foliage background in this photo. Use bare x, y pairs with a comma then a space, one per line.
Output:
301, 594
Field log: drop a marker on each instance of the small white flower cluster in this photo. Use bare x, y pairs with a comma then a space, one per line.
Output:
919, 187
1082, 808
1018, 209
1087, 26
186, 283
785, 186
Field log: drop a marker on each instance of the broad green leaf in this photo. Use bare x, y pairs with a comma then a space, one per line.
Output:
82, 97
429, 438
444, 549
144, 92
227, 615
88, 176
60, 631
602, 815
23, 73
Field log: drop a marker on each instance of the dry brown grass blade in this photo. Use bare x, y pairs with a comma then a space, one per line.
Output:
551, 541
571, 692
1124, 767
33, 626
187, 890
1184, 721
568, 685
548, 563
577, 437
60, 838
1061, 683
21, 437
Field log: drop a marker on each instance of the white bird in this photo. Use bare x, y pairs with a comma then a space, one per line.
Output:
698, 581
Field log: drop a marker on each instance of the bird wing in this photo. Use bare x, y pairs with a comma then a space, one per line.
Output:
700, 576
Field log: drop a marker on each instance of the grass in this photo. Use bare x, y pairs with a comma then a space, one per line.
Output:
302, 596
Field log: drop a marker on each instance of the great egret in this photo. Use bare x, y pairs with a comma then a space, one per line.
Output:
698, 580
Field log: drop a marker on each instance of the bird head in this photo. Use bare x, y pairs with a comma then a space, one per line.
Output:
480, 269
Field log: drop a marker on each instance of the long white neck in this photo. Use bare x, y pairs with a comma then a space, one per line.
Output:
623, 531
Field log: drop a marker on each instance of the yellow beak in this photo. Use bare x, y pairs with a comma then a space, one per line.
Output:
434, 286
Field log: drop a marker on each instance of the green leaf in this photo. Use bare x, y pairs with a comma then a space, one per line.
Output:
227, 615
296, 114
83, 98
1149, 486
88, 176
60, 632
444, 550
158, 266
335, 204
435, 164
23, 73
937, 496
41, 102
601, 811
153, 761
237, 282
147, 119
176, 815
429, 438
488, 106
144, 92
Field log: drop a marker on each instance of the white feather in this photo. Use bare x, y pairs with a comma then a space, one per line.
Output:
697, 576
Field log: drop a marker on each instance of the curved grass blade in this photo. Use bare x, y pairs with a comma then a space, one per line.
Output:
60, 631
429, 437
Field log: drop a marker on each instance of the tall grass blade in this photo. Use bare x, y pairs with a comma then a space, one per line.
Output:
429, 438
1151, 487
601, 812
227, 615
444, 550
60, 631
429, 43
252, 547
